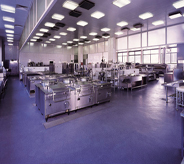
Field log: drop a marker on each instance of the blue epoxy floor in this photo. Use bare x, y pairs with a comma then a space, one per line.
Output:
136, 127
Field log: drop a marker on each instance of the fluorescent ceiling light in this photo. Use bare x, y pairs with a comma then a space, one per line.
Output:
135, 29
71, 29
175, 15
31, 44
119, 33
106, 37
105, 29
83, 37
36, 37
8, 19
82, 23
178, 4
97, 15
33, 40
69, 47
49, 24
10, 44
70, 5
9, 26
57, 16
88, 41
64, 44
7, 8
93, 33
47, 42
75, 45
69, 42
76, 40
62, 33
121, 3
95, 39
146, 15
58, 46
9, 31
10, 35
39, 34
44, 45
159, 22
57, 37
122, 23
44, 30
80, 43
51, 39
9, 40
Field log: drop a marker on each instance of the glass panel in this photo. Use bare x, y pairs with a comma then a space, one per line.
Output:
174, 50
131, 53
124, 53
154, 58
137, 52
154, 51
31, 19
34, 11
167, 58
146, 52
131, 59
120, 59
124, 59
137, 59
48, 2
120, 54
146, 58
40, 8
174, 58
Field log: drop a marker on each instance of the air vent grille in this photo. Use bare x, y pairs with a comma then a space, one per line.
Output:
75, 13
87, 4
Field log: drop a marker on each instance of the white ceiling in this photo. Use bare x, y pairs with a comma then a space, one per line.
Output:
113, 15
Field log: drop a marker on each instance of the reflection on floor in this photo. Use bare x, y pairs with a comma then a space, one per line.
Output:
135, 127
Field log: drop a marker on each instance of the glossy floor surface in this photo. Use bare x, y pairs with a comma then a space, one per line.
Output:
136, 127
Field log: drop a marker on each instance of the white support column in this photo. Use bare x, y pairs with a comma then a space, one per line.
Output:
112, 56
80, 54
1, 51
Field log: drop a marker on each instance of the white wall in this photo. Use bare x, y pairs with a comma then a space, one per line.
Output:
11, 52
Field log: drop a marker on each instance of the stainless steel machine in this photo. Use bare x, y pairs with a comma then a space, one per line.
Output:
177, 74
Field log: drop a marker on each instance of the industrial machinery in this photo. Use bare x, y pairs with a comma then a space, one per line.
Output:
177, 74
54, 99
149, 71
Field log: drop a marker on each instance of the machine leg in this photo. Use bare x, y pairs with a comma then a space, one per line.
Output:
182, 135
166, 95
46, 119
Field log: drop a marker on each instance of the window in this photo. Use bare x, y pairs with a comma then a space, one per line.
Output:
171, 55
122, 57
151, 56
135, 56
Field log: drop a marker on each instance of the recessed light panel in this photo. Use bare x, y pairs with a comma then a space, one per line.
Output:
82, 23
97, 15
10, 35
80, 43
9, 26
57, 16
47, 42
58, 46
7, 8
105, 29
119, 33
159, 22
10, 38
122, 23
88, 41
174, 15
39, 34
146, 15
44, 30
76, 40
36, 37
62, 33
121, 3
8, 19
95, 39
69, 42
57, 37
93, 33
9, 31
135, 29
83, 37
51, 39
10, 44
70, 5
178, 4
49, 24
33, 40
64, 44
69, 47
71, 29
